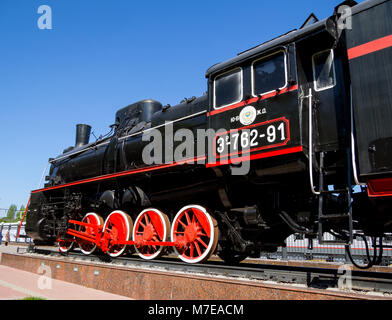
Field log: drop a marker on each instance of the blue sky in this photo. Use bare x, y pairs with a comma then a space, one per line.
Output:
102, 55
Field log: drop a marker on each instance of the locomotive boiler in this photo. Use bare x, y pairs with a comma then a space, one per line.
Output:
293, 136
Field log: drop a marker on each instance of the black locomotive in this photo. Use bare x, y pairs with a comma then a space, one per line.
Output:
307, 115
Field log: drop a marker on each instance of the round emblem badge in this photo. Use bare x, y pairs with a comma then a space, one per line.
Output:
248, 115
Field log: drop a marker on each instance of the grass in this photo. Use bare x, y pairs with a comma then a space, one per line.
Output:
33, 298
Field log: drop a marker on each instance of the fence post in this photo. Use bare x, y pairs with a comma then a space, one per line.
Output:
347, 258
284, 251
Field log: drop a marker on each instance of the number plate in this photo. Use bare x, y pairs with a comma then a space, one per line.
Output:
260, 136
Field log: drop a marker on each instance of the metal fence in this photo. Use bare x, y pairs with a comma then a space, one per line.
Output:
297, 248
13, 229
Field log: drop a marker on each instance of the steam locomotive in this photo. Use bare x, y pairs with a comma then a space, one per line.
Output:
305, 119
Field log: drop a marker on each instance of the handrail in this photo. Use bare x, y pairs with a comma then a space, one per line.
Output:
353, 160
311, 143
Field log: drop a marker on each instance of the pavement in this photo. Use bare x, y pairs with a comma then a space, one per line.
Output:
16, 284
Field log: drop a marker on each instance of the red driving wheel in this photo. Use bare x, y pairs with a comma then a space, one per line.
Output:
66, 245
151, 225
197, 230
86, 246
118, 227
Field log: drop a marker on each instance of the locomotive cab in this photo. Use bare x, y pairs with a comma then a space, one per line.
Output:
283, 106
256, 92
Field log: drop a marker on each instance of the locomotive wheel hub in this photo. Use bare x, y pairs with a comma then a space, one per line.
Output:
192, 232
149, 232
113, 234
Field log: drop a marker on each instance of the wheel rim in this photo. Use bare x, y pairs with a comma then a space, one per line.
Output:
151, 225
195, 227
85, 246
119, 227
66, 245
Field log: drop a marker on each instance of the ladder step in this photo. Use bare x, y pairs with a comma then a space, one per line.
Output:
332, 242
335, 191
329, 172
334, 216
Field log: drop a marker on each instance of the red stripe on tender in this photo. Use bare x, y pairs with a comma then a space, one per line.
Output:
380, 188
370, 47
256, 156
253, 100
121, 174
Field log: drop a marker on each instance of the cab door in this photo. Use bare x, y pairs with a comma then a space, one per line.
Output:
320, 72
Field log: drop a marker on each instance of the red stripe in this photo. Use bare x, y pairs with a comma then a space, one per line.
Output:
121, 174
256, 156
370, 47
380, 188
253, 100
158, 167
20, 225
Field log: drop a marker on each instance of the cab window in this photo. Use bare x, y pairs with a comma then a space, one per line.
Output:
228, 88
323, 70
269, 74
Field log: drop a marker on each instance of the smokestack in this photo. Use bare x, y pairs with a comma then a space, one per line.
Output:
82, 135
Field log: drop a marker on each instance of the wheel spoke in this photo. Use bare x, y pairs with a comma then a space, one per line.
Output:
191, 249
202, 242
187, 217
202, 228
197, 248
182, 223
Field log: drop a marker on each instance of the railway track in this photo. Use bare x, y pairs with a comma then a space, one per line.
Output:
309, 276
